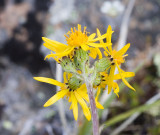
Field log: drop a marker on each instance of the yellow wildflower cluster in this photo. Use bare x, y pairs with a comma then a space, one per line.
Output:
74, 59
75, 39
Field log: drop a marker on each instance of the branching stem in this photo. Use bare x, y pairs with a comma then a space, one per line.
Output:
89, 75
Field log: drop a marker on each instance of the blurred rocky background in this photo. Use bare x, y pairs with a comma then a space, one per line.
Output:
24, 22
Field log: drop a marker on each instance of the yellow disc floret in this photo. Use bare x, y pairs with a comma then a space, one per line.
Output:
76, 37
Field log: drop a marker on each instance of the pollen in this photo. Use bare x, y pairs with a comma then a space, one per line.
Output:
76, 37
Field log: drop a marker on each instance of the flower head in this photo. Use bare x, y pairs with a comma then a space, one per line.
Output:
80, 76
75, 94
112, 84
76, 38
117, 58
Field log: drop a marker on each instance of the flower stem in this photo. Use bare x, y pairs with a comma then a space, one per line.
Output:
95, 122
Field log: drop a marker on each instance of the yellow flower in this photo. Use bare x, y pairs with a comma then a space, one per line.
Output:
111, 84
117, 58
96, 51
74, 96
76, 38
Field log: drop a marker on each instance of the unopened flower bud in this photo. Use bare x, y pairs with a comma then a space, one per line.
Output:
102, 64
97, 80
81, 58
74, 83
68, 65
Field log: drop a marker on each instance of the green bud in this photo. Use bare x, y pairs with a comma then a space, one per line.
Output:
74, 83
81, 58
102, 64
97, 80
68, 65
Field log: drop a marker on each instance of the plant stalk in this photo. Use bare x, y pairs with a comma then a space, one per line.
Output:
95, 122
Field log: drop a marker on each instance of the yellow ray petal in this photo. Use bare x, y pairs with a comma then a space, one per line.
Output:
126, 83
125, 75
91, 37
79, 27
105, 53
98, 92
56, 97
69, 75
109, 36
49, 80
98, 38
83, 94
99, 53
110, 78
99, 45
109, 33
56, 58
93, 53
123, 79
116, 88
50, 56
111, 73
99, 35
55, 48
74, 106
64, 53
109, 88
47, 40
70, 108
64, 77
54, 45
84, 106
122, 51
85, 47
69, 97
82, 88
98, 105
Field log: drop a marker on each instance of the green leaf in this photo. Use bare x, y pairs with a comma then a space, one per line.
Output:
86, 128
125, 115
